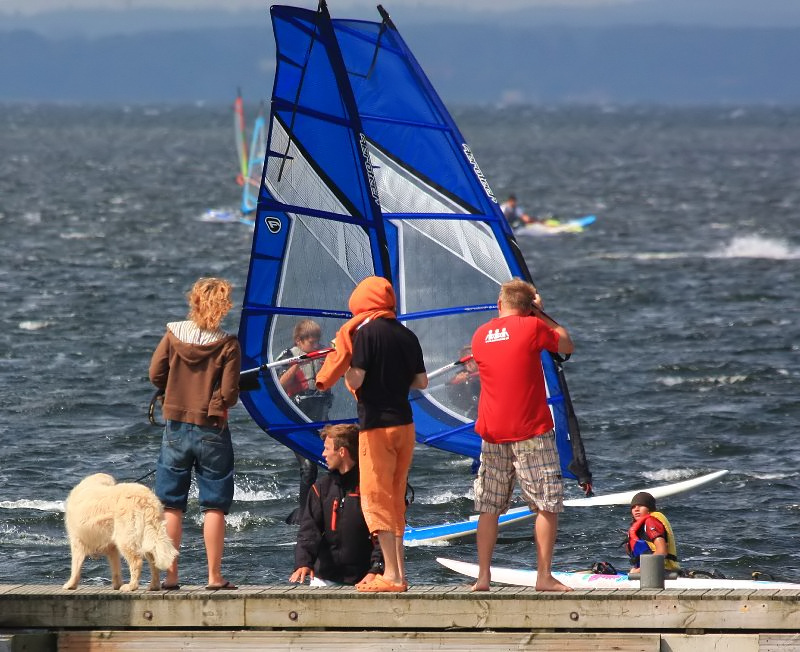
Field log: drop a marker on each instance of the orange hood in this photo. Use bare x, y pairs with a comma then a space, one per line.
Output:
371, 299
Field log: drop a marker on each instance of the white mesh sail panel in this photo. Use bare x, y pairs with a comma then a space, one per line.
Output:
472, 242
300, 185
293, 180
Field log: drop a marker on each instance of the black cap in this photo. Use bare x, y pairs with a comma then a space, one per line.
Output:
645, 500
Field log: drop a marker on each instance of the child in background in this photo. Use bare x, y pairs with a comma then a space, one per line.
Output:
650, 533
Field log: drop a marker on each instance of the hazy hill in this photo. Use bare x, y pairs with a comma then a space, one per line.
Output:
470, 63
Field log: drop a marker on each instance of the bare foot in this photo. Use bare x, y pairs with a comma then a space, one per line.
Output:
480, 585
551, 584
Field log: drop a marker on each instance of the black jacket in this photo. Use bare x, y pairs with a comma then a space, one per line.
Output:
333, 537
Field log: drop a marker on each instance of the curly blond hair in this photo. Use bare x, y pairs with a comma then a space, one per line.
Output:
209, 302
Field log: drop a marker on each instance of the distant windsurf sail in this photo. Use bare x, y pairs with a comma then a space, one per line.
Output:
367, 174
239, 130
255, 163
251, 160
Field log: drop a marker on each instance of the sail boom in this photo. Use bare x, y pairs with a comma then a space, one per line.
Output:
455, 310
437, 216
256, 310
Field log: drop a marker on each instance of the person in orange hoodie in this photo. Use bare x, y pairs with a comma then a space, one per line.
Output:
381, 361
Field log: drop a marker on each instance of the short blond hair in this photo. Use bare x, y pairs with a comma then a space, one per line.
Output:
518, 295
209, 302
343, 435
306, 328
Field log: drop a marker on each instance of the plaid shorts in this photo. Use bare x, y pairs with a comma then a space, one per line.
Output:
534, 462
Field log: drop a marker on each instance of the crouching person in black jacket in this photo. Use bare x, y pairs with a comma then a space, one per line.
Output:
334, 545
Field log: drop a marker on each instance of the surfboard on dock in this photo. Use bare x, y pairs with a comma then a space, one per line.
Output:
588, 580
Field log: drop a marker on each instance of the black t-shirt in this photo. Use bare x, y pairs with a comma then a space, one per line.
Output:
391, 356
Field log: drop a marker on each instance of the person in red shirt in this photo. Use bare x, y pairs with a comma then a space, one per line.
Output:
516, 425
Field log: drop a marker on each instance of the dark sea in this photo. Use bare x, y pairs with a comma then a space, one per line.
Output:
682, 300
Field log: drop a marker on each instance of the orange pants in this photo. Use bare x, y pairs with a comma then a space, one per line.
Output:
384, 458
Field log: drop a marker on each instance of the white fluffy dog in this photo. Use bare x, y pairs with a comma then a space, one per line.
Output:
105, 518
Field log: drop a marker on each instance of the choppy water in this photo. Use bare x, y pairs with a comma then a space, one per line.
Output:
682, 299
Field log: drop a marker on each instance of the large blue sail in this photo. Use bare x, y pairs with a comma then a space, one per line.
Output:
367, 174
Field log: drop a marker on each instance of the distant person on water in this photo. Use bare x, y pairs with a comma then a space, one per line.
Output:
197, 364
516, 426
381, 360
299, 383
514, 213
334, 544
650, 533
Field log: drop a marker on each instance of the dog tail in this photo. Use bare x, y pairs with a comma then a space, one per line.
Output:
156, 541
162, 549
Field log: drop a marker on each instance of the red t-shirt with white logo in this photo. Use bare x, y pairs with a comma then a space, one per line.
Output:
513, 401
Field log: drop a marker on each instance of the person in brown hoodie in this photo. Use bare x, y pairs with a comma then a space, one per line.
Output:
197, 364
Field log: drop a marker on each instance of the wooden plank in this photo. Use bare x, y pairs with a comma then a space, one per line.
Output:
779, 642
122, 641
288, 607
705, 642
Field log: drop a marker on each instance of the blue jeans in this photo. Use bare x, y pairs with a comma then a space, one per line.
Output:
209, 451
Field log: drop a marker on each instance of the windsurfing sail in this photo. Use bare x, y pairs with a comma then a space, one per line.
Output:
241, 137
250, 160
255, 163
367, 174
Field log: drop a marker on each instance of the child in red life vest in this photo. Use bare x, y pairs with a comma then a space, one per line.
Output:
650, 533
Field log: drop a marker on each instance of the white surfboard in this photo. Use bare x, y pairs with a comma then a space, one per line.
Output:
584, 580
433, 534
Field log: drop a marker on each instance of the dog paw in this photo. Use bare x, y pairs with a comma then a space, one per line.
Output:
128, 587
70, 586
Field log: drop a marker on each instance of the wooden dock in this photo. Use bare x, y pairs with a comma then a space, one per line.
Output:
37, 618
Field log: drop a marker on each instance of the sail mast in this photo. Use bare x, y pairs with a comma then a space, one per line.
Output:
377, 233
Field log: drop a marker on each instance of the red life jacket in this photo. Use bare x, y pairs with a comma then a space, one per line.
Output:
671, 559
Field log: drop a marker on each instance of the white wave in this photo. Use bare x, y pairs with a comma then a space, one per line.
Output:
773, 475
254, 495
673, 381
754, 246
435, 544
33, 325
460, 461
237, 520
748, 246
80, 236
442, 498
670, 475
41, 505
10, 535
643, 255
